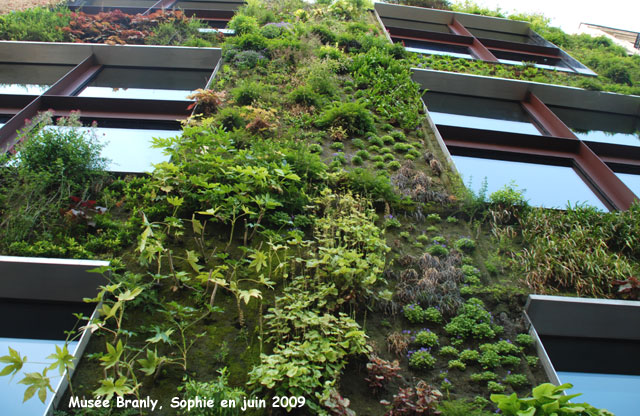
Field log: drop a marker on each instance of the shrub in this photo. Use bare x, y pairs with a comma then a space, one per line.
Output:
484, 376
473, 320
217, 390
353, 117
243, 24
516, 380
495, 387
421, 359
449, 350
434, 217
337, 146
357, 160
414, 313
393, 166
426, 338
326, 35
532, 360
421, 400
363, 154
456, 364
315, 148
452, 220
438, 250
35, 24
464, 244
231, 118
402, 147
525, 340
387, 139
375, 185
247, 92
248, 59
469, 355
387, 157
358, 144
432, 314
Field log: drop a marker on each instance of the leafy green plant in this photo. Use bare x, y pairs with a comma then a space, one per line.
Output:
473, 321
484, 376
421, 359
546, 399
456, 364
35, 24
414, 313
466, 245
449, 350
426, 338
353, 117
469, 355
516, 380
495, 387
247, 92
217, 389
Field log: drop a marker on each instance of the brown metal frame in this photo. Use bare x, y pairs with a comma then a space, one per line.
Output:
60, 99
559, 146
481, 48
207, 15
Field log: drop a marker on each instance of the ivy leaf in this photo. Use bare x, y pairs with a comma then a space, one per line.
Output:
128, 294
110, 387
62, 359
192, 259
14, 361
246, 295
161, 335
150, 364
37, 382
112, 357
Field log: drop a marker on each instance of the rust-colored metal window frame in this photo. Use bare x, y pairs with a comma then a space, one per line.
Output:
408, 19
592, 161
88, 60
219, 13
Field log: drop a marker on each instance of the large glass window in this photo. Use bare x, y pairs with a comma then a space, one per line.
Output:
29, 79
154, 84
517, 58
509, 37
631, 180
129, 150
544, 185
434, 48
410, 24
598, 126
617, 393
479, 113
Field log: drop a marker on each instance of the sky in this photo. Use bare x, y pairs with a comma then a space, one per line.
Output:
567, 14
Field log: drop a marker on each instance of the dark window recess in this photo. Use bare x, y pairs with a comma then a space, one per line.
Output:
592, 355
508, 37
434, 48
514, 57
29, 78
40, 319
598, 126
410, 24
172, 84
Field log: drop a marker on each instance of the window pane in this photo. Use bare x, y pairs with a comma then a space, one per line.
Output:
37, 350
509, 37
631, 180
601, 127
30, 79
128, 150
540, 61
119, 3
615, 392
412, 24
479, 113
544, 185
143, 83
434, 48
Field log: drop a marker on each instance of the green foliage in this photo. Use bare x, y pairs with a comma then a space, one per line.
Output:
433, 314
469, 355
456, 364
426, 338
516, 380
421, 359
354, 118
524, 340
414, 313
495, 387
532, 360
449, 351
484, 376
247, 92
545, 400
305, 95
464, 244
243, 24
371, 184
473, 320
217, 389
462, 408
438, 250
35, 24
580, 250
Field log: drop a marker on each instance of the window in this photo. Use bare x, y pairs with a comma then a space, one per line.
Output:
215, 13
586, 342
490, 39
567, 150
432, 48
544, 185
29, 79
145, 83
479, 113
133, 104
41, 296
598, 126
